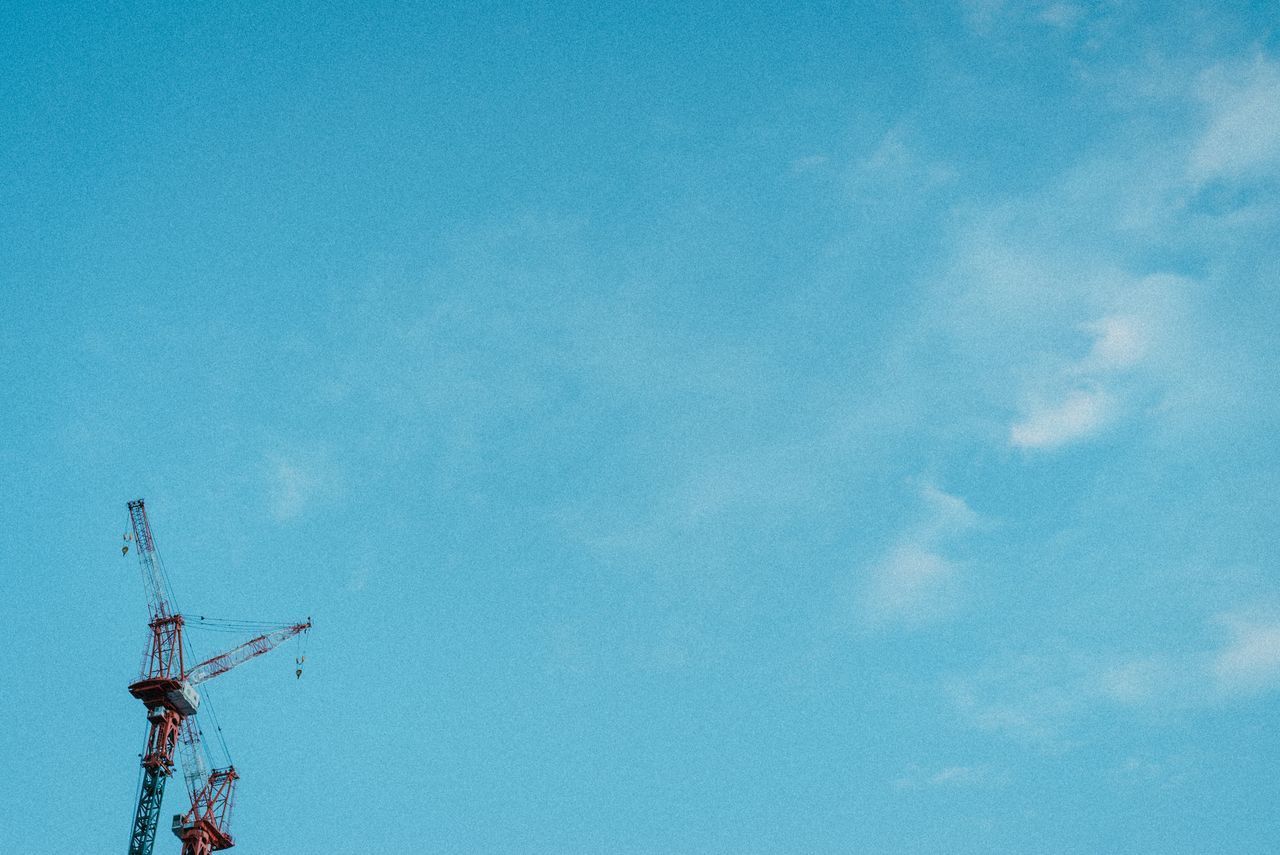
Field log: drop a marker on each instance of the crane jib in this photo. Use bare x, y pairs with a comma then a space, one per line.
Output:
257, 646
158, 597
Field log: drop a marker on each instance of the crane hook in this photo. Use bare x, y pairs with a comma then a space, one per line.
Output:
124, 550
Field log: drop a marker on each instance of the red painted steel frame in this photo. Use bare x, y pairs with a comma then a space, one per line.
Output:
204, 827
161, 739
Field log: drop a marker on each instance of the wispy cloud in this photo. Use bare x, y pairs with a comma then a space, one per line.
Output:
1120, 343
1081, 414
809, 163
915, 582
296, 481
988, 17
1164, 772
1136, 679
1071, 343
1063, 305
1043, 699
1242, 134
1064, 16
911, 584
899, 162
358, 579
916, 777
1027, 698
1250, 661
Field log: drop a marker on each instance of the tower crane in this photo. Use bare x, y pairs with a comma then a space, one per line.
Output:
167, 687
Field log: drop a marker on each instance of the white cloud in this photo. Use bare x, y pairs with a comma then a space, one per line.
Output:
1242, 136
988, 17
291, 489
1130, 341
1061, 15
1019, 700
358, 580
809, 163
917, 777
1119, 342
1251, 661
948, 513
955, 775
982, 12
1029, 274
1164, 772
1040, 699
896, 163
296, 482
1134, 681
915, 582
910, 584
1081, 414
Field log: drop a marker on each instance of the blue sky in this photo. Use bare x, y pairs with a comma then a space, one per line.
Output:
784, 428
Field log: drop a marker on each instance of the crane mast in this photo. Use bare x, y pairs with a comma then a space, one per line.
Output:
153, 577
191, 749
167, 688
160, 689
204, 828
